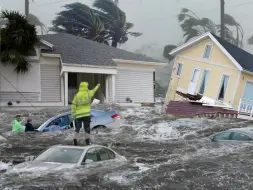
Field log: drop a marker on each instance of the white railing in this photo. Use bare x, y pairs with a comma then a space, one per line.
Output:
245, 107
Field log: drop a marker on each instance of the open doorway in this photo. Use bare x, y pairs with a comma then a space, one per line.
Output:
74, 80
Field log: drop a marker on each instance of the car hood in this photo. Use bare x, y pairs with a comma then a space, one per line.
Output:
34, 166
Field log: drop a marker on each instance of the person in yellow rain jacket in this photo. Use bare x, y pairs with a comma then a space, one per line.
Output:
80, 110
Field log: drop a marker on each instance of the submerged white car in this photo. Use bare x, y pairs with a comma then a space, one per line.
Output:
62, 157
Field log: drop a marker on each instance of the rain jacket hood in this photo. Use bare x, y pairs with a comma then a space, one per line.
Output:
83, 86
81, 104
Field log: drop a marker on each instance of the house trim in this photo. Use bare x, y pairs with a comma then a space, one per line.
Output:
236, 87
207, 62
76, 68
50, 55
247, 72
144, 63
47, 43
204, 36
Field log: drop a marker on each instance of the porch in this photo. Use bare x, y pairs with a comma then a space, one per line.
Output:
73, 76
245, 109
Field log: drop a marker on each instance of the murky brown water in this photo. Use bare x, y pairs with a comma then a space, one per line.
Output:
163, 153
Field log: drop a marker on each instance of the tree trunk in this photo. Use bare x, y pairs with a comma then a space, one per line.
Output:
114, 43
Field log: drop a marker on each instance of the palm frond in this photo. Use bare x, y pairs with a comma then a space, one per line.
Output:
18, 39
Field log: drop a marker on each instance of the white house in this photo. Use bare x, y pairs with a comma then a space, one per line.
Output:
62, 61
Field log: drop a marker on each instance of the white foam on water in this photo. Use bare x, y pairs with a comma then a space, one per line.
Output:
128, 177
158, 132
4, 166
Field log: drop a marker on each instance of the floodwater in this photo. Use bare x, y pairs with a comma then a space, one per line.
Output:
162, 153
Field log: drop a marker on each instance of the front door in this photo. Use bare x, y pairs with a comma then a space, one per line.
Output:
194, 81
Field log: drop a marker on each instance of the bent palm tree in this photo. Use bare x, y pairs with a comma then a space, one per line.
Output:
79, 19
32, 19
18, 39
115, 21
193, 26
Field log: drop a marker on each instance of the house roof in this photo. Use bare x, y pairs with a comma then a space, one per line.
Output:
241, 58
78, 50
244, 58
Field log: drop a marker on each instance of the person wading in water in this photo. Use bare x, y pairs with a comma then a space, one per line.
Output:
80, 110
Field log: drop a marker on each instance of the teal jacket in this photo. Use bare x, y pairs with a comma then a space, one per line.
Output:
17, 126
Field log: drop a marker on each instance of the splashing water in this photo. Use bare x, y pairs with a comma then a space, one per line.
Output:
162, 153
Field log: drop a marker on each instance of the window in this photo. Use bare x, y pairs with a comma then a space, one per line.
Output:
223, 88
105, 154
207, 52
222, 136
195, 75
204, 82
61, 121
92, 155
179, 69
61, 155
240, 137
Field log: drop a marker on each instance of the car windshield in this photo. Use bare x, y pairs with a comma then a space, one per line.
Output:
61, 155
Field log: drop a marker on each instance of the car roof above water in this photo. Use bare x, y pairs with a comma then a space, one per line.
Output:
246, 130
69, 112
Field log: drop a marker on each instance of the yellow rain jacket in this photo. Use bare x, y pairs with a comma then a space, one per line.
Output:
81, 103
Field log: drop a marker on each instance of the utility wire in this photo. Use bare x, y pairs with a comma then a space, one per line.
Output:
18, 91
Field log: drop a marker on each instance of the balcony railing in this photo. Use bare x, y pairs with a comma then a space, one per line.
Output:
245, 107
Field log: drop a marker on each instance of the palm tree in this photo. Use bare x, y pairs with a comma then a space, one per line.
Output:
167, 49
79, 19
116, 2
193, 26
18, 39
32, 19
115, 21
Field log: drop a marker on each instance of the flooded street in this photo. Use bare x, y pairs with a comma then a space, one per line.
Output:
162, 153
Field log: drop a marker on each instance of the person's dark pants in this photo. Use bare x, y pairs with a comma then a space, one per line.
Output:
86, 125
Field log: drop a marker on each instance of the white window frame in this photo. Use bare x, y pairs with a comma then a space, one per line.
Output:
202, 78
211, 46
223, 74
177, 67
193, 69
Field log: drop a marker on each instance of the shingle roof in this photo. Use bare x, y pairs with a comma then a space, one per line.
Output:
244, 58
77, 50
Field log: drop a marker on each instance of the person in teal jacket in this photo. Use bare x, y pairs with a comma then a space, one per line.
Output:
17, 124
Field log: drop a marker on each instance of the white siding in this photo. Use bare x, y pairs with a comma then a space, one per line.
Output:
136, 84
27, 82
110, 88
16, 96
50, 83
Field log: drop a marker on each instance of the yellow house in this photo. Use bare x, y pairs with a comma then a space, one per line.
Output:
214, 68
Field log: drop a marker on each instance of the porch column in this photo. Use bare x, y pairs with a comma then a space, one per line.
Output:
113, 89
66, 88
107, 88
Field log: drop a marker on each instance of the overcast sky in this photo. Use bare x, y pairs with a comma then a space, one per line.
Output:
156, 19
